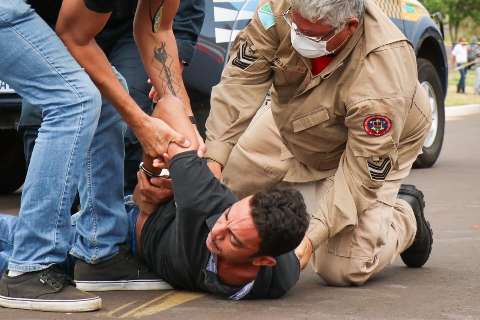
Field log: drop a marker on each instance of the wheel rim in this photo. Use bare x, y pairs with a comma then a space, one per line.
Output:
432, 100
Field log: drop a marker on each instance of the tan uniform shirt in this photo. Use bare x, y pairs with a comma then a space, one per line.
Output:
359, 117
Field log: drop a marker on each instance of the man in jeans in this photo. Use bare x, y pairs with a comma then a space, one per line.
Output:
70, 149
116, 40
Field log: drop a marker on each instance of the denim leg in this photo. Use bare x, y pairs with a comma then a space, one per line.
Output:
38, 66
461, 81
29, 134
7, 230
28, 125
102, 223
125, 58
8, 224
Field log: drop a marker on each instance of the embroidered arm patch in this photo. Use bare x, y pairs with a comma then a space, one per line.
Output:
266, 16
245, 56
377, 125
379, 168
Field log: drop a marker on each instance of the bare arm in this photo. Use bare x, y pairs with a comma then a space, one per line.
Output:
77, 26
153, 31
155, 39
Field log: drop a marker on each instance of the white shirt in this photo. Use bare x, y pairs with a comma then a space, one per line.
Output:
461, 53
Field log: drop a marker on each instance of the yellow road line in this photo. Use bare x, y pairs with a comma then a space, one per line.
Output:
111, 314
170, 301
145, 305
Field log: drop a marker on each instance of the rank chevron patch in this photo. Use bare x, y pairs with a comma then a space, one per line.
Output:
379, 170
245, 56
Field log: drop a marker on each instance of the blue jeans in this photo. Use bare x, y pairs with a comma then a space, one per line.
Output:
67, 150
124, 56
9, 223
461, 81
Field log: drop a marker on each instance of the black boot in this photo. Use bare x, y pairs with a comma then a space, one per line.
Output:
419, 252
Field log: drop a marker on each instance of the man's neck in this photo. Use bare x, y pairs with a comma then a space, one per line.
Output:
236, 274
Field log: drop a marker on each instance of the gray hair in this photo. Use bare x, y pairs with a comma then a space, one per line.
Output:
336, 12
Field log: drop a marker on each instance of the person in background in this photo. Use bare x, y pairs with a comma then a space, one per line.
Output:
459, 59
475, 57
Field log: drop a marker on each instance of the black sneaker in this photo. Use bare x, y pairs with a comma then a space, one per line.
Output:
419, 252
122, 272
45, 290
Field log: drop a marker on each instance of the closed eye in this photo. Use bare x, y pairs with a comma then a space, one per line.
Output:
234, 240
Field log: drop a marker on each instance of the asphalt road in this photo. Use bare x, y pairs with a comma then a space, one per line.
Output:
448, 287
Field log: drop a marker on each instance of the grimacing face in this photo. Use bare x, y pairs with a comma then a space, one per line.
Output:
234, 237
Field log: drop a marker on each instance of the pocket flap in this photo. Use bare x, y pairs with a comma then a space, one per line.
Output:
310, 120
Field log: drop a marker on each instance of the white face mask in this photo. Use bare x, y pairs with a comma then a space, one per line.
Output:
307, 47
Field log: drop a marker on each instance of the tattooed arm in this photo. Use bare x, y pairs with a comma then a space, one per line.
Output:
158, 49
154, 36
77, 26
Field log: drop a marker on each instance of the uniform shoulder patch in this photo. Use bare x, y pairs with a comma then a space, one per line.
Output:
266, 16
377, 125
379, 168
245, 56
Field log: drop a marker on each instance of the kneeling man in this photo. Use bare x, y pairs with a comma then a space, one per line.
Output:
346, 120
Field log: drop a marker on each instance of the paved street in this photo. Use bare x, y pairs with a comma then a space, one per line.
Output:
448, 287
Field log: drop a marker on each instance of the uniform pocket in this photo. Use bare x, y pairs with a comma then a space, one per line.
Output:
310, 120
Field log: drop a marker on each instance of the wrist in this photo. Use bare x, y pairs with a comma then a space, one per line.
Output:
138, 121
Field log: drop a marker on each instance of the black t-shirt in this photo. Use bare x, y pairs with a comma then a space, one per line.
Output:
187, 24
173, 239
105, 6
119, 24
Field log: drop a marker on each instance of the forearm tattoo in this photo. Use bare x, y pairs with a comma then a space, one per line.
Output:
155, 16
164, 64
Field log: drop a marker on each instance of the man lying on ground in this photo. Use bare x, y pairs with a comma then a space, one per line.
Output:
204, 239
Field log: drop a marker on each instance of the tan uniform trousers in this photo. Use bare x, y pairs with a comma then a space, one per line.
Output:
351, 257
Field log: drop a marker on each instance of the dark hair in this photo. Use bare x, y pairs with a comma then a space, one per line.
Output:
281, 219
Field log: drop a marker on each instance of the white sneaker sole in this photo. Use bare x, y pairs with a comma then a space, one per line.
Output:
123, 285
81, 305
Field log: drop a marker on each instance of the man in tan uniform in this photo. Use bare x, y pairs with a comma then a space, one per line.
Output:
346, 121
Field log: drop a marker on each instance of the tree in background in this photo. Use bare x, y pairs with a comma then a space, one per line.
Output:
456, 11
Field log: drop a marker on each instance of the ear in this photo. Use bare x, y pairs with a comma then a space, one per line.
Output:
267, 261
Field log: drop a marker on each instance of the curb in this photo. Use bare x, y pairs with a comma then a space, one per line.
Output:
454, 111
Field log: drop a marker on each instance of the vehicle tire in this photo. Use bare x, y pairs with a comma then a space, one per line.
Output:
429, 79
12, 161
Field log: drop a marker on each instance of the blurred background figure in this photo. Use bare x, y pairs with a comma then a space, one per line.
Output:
474, 56
459, 59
